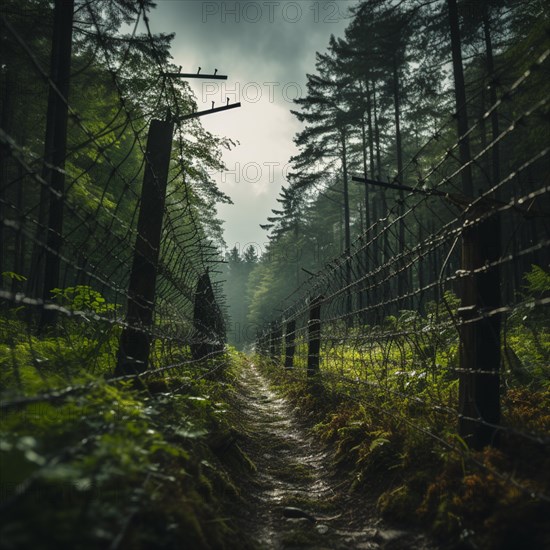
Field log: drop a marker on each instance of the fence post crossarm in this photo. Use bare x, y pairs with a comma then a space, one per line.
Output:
207, 112
195, 75
457, 199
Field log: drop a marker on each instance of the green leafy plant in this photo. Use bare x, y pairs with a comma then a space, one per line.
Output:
14, 276
82, 298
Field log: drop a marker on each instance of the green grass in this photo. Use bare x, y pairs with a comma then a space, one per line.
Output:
112, 463
386, 399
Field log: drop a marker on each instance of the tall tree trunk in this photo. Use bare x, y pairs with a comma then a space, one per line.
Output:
421, 269
18, 244
434, 261
50, 216
492, 94
460, 98
370, 129
403, 275
383, 202
6, 122
347, 229
483, 128
376, 250
365, 172
364, 298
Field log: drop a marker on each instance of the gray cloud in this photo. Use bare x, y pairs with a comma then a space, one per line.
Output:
272, 49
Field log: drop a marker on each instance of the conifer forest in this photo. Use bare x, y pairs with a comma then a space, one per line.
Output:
367, 368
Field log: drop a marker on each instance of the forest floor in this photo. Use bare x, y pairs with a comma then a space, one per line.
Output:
297, 498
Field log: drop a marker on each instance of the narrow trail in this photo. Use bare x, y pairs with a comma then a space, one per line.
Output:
295, 478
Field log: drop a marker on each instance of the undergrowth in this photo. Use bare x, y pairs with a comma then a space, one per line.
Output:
466, 499
389, 411
115, 466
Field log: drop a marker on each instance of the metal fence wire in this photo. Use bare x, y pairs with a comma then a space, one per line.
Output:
106, 260
438, 314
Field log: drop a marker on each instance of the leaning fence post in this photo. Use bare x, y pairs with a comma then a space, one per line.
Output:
479, 375
314, 336
208, 324
135, 341
290, 347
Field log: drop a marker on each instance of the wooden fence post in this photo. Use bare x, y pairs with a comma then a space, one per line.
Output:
268, 344
207, 321
135, 341
260, 343
271, 340
275, 336
314, 336
279, 341
480, 358
290, 347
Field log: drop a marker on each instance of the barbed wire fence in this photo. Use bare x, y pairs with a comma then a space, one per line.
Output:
466, 330
108, 268
103, 252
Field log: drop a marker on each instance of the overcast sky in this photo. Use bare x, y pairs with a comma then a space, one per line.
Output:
266, 49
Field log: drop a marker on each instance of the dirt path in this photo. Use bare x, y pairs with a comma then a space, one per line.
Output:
294, 478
